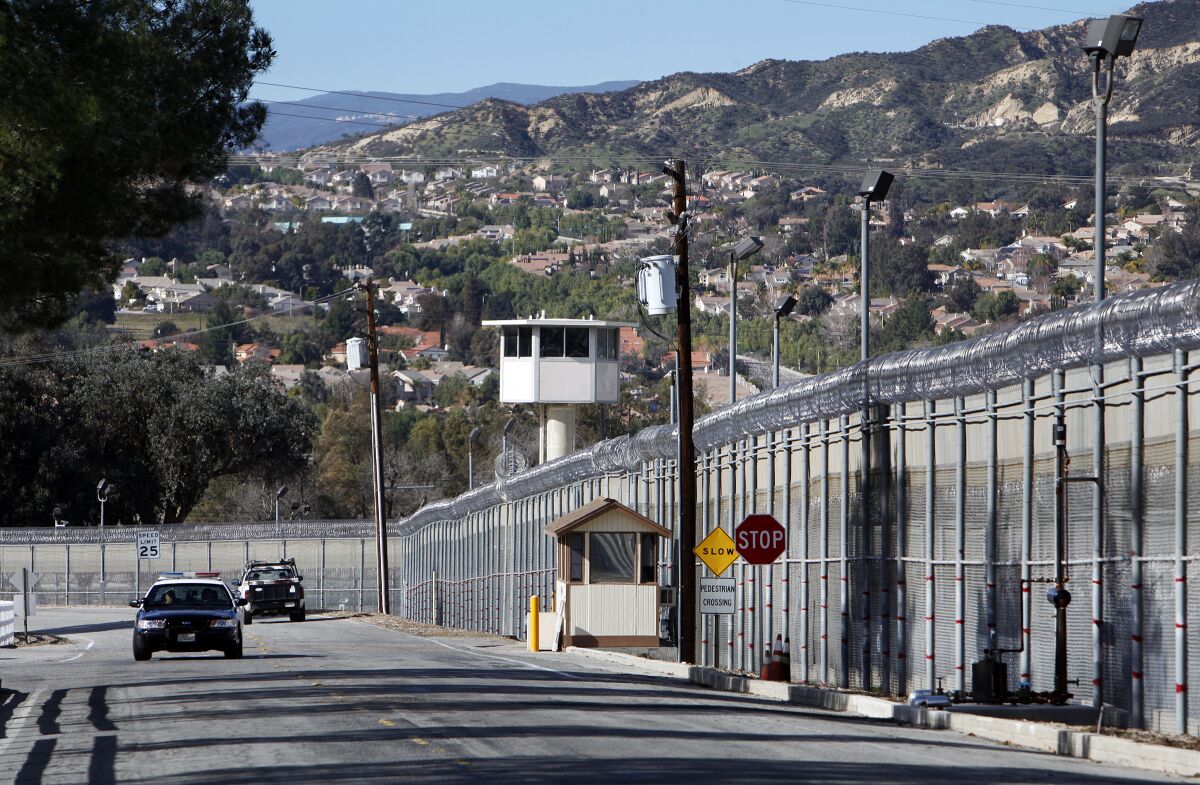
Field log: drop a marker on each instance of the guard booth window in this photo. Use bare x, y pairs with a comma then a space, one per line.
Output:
575, 544
607, 342
611, 557
647, 558
518, 341
552, 342
577, 342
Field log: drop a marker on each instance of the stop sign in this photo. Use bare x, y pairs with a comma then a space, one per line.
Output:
760, 539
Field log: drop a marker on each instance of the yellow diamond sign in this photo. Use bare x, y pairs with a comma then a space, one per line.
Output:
717, 551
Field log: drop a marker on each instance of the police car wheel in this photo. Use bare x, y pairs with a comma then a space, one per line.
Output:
234, 652
141, 652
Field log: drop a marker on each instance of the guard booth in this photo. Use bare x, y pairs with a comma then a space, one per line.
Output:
606, 592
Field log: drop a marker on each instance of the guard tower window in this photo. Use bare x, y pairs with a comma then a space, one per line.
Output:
647, 558
575, 544
518, 341
577, 342
552, 342
607, 343
612, 557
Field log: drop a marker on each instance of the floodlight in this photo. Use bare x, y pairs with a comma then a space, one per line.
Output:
875, 185
1113, 37
746, 248
785, 305
281, 492
102, 485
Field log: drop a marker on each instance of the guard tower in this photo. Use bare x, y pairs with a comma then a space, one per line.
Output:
560, 364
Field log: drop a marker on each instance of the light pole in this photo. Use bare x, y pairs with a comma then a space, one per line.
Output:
783, 307
743, 250
1107, 39
874, 187
103, 488
471, 437
279, 494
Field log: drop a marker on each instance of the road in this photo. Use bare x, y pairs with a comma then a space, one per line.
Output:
344, 701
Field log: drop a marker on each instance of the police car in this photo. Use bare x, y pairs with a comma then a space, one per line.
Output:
187, 612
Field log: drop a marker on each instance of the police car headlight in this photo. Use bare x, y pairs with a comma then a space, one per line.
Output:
151, 624
223, 623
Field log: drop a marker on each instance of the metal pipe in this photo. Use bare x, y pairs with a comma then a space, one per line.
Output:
1025, 679
732, 328
992, 519
844, 553
1181, 488
864, 506
1137, 515
768, 606
960, 536
824, 661
805, 479
1062, 466
705, 656
1098, 530
901, 553
930, 597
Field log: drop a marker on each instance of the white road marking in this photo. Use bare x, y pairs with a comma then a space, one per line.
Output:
498, 657
19, 718
87, 648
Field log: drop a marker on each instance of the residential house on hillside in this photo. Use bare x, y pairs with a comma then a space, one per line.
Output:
541, 264
711, 305
257, 352
413, 388
548, 183
287, 375
318, 204
701, 361
632, 344
484, 172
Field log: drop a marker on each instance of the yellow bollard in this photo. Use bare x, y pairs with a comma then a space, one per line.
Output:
533, 623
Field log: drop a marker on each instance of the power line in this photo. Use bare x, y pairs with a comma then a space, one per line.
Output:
888, 13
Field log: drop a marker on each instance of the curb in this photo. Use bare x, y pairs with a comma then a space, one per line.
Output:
1044, 737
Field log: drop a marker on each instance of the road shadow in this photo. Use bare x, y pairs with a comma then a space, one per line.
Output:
81, 628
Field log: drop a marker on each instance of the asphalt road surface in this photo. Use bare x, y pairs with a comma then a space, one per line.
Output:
343, 701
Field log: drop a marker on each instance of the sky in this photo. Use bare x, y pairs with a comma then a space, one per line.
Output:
436, 46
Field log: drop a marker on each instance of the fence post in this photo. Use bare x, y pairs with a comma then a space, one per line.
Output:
1027, 391
992, 519
1098, 534
1181, 488
930, 551
824, 661
805, 477
844, 554
960, 536
901, 552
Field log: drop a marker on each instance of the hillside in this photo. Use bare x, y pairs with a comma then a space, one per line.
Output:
330, 116
995, 98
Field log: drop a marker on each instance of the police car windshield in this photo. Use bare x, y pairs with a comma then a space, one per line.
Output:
269, 574
191, 595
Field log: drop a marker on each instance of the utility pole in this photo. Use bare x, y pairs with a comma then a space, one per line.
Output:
677, 170
385, 604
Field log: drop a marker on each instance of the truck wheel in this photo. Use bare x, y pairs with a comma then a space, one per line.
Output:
297, 616
141, 652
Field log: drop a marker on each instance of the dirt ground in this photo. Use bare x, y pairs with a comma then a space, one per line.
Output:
36, 639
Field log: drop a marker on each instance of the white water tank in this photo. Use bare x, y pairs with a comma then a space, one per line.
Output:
656, 284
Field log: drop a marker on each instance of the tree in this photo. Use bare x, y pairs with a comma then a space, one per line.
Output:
962, 293
361, 186
996, 306
165, 328
898, 269
157, 424
108, 110
813, 301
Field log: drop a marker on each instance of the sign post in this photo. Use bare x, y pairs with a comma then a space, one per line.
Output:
760, 539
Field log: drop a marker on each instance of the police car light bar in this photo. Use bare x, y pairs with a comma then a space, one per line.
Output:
169, 575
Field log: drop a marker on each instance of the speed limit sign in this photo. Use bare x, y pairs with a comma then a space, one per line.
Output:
147, 545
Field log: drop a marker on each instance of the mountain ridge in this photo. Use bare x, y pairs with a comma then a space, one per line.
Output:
996, 93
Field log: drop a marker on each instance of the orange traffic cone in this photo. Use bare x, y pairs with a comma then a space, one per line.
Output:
767, 671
